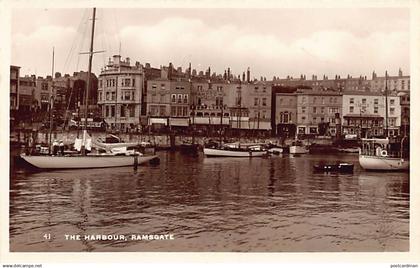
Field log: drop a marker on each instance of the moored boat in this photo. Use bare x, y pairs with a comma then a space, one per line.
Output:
340, 167
88, 161
236, 150
297, 147
383, 154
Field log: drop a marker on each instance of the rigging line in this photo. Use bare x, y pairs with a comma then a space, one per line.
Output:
101, 26
81, 42
74, 43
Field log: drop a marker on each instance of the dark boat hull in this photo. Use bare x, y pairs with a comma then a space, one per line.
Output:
341, 168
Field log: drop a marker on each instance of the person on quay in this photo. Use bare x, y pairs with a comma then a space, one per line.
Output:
55, 147
61, 147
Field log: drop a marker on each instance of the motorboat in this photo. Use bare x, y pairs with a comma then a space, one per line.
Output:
297, 147
384, 154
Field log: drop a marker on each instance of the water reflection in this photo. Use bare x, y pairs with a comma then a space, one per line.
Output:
213, 204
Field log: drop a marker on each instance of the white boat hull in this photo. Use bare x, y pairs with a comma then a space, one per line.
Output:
74, 162
298, 150
383, 163
230, 153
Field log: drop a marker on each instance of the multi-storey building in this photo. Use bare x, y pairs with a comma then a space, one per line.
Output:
168, 101
317, 111
14, 87
119, 93
43, 92
405, 113
27, 94
208, 104
364, 114
249, 105
285, 111
400, 83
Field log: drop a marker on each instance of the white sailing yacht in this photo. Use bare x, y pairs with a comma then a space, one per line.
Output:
384, 154
84, 160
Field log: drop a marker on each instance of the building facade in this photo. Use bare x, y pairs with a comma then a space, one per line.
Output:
364, 114
14, 87
120, 94
317, 112
286, 112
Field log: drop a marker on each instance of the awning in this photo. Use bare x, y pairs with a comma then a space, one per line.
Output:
209, 121
163, 121
180, 122
362, 116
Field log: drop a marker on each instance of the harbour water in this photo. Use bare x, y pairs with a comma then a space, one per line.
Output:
276, 204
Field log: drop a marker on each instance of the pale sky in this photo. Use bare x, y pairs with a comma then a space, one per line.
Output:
271, 42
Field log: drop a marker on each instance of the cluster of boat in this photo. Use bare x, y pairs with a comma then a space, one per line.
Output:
374, 154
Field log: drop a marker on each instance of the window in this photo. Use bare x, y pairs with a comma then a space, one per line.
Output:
107, 96
264, 89
132, 110
179, 98
312, 130
303, 99
122, 111
303, 110
256, 89
100, 83
322, 110
392, 102
100, 96
107, 111
351, 109
179, 111
173, 110
184, 111
185, 98
112, 111
219, 88
375, 109
264, 101
363, 101
255, 101
314, 100
376, 101
126, 82
153, 86
351, 100
113, 96
173, 98
134, 82
127, 95
314, 110
162, 86
392, 110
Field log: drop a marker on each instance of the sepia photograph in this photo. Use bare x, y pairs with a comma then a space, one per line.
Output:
225, 129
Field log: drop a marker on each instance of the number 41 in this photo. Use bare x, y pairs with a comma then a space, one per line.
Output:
47, 236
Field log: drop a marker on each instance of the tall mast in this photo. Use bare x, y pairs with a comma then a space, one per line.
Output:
88, 83
386, 104
51, 104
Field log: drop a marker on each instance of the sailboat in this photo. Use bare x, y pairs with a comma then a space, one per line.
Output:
85, 160
385, 154
235, 149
